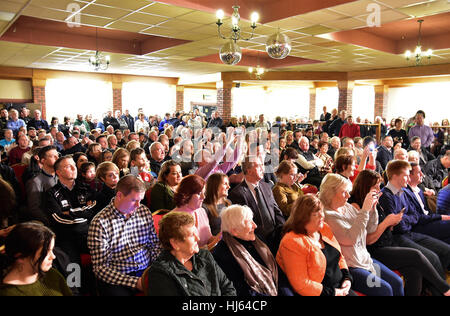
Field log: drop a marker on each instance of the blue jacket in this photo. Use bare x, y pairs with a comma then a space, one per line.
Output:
413, 213
443, 201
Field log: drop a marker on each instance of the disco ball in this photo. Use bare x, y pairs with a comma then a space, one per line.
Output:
230, 53
278, 46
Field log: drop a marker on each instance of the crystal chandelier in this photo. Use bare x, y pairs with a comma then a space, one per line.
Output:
230, 53
419, 54
99, 61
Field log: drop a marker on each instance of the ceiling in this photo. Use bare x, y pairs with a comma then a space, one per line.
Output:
177, 38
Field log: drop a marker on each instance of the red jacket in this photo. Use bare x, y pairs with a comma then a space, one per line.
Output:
351, 131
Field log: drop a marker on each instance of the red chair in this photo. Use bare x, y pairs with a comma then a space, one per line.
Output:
308, 188
19, 169
157, 215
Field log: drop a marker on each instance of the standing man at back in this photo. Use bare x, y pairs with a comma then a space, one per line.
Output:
423, 131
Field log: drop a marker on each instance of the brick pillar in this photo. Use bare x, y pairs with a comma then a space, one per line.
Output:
39, 96
224, 100
179, 99
312, 103
346, 96
381, 98
117, 97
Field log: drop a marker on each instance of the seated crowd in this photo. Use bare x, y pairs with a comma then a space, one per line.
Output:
189, 206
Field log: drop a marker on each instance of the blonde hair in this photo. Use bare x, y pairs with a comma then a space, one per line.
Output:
233, 217
103, 168
331, 183
344, 151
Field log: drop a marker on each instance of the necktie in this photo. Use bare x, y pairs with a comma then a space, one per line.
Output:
266, 220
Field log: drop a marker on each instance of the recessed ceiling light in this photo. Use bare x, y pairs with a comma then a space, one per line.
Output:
6, 16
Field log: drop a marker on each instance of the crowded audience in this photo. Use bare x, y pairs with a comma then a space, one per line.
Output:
236, 205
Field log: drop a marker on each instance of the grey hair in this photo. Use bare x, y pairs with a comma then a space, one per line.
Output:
233, 217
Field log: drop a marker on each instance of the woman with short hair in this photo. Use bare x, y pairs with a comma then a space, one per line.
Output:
189, 198
351, 227
108, 174
182, 268
121, 158
287, 190
245, 259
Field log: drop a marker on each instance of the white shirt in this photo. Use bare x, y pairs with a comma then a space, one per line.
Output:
416, 192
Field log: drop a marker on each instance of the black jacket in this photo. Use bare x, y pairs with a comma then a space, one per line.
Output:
168, 277
435, 170
384, 155
270, 233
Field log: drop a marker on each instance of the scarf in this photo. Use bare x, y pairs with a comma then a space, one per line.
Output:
260, 279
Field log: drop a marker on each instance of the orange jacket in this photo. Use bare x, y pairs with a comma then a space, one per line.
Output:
304, 263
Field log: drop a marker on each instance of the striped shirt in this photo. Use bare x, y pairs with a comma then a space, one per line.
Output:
120, 246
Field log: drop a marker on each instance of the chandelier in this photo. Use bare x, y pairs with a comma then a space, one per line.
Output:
235, 28
99, 61
230, 53
258, 71
419, 54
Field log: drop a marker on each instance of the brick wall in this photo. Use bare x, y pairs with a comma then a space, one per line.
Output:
117, 100
39, 98
345, 96
180, 99
224, 103
381, 98
312, 103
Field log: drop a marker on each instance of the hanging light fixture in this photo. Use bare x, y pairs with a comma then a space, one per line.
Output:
99, 61
230, 53
419, 54
258, 71
278, 45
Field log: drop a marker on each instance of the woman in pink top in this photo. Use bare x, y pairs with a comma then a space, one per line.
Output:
189, 198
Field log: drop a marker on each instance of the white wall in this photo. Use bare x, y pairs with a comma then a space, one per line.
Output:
289, 102
69, 97
328, 97
363, 103
433, 99
198, 95
154, 98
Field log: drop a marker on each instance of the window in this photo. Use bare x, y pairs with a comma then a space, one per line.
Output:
287, 102
69, 97
154, 98
433, 99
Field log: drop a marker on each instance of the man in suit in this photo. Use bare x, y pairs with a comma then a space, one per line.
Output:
257, 195
434, 225
385, 152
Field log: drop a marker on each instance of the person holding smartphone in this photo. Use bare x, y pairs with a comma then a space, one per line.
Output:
393, 200
411, 263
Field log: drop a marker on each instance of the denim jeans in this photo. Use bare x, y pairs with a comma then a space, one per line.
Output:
384, 283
